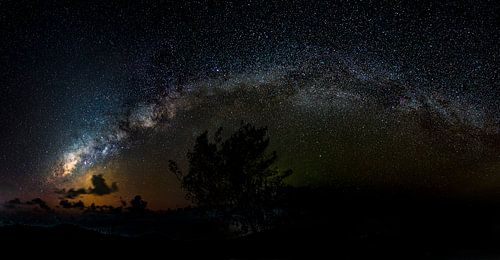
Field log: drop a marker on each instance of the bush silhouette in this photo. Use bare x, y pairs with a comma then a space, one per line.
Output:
232, 173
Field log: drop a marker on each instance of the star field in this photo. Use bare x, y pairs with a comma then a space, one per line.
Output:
354, 93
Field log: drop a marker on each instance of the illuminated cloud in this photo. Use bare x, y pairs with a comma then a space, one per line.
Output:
99, 188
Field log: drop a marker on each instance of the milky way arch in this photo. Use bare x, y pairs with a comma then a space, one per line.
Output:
310, 80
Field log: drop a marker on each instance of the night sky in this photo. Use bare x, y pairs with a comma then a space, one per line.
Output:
382, 94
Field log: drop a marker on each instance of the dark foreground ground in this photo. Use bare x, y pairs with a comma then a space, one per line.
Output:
321, 224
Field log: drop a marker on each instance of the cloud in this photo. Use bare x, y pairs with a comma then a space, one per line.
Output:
68, 205
11, 204
99, 188
72, 193
15, 203
41, 203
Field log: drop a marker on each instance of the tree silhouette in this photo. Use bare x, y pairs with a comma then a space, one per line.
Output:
234, 173
137, 205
